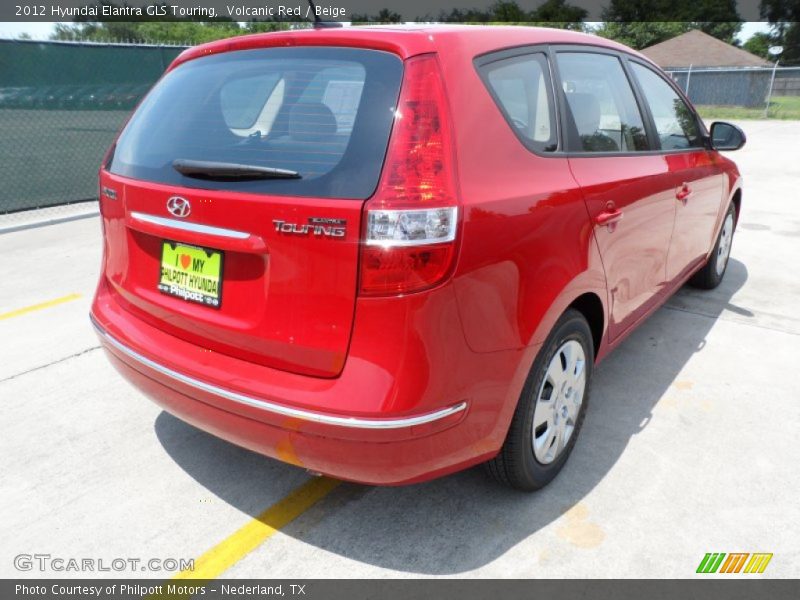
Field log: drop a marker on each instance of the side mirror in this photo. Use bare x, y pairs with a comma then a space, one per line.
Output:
726, 136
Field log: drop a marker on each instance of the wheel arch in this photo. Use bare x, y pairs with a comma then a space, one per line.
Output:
591, 307
736, 199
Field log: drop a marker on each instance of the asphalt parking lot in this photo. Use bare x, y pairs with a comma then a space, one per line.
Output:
690, 444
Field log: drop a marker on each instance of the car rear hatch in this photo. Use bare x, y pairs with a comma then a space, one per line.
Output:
238, 187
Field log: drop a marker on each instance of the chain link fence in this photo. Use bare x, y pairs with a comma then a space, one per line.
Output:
61, 104
761, 92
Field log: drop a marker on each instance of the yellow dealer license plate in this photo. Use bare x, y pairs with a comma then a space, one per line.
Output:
191, 273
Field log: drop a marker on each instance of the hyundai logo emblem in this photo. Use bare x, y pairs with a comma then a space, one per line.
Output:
179, 206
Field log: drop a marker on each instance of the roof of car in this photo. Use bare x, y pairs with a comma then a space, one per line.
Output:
405, 40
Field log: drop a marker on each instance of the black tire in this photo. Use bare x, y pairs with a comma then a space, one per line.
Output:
708, 278
516, 465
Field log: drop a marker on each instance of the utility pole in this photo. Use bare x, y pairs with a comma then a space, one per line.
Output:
688, 80
776, 52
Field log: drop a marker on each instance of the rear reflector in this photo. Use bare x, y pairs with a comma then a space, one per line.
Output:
412, 221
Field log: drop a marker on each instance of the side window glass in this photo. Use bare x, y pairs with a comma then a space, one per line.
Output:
521, 88
675, 122
600, 101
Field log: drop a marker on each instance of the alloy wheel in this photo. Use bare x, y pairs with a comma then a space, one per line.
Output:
725, 241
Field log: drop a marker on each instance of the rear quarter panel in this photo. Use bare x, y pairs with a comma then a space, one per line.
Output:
528, 248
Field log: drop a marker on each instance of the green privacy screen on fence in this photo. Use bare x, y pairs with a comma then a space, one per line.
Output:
60, 106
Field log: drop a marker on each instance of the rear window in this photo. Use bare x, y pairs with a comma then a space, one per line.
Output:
323, 112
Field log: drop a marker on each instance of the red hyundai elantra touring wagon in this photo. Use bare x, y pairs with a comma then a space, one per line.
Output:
386, 254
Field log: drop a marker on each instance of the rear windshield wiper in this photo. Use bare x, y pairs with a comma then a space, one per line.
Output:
209, 169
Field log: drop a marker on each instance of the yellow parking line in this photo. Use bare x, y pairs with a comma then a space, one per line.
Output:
35, 307
235, 547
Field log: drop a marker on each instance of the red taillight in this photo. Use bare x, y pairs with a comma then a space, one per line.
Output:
402, 270
411, 222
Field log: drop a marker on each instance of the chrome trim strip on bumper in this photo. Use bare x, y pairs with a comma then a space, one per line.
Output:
187, 226
279, 409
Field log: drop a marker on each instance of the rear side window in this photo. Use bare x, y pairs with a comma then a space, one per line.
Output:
521, 88
325, 113
675, 123
603, 114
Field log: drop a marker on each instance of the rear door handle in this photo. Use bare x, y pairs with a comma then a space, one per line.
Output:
609, 216
683, 192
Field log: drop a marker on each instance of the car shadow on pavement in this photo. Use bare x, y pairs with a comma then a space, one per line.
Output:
465, 521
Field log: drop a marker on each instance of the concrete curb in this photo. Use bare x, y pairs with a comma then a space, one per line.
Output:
44, 222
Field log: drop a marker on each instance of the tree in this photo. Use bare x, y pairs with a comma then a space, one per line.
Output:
508, 12
791, 44
171, 32
714, 17
164, 32
276, 25
629, 21
784, 18
151, 30
384, 16
641, 34
552, 13
760, 44
557, 13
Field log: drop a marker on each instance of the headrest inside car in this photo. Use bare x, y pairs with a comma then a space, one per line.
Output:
586, 111
311, 121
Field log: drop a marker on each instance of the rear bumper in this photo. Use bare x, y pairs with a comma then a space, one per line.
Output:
272, 409
398, 462
316, 423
